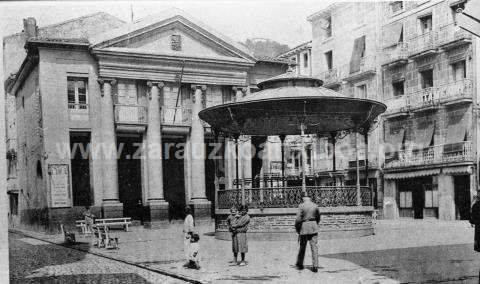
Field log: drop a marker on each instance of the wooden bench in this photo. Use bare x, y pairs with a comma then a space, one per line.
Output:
103, 238
85, 225
111, 222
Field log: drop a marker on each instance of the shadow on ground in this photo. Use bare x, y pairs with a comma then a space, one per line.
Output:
443, 263
34, 256
85, 278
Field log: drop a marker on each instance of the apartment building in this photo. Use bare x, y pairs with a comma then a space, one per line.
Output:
413, 57
301, 55
345, 41
430, 87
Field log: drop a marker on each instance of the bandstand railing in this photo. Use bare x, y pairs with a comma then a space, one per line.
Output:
291, 196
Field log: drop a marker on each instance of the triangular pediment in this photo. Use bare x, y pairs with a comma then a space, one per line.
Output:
172, 33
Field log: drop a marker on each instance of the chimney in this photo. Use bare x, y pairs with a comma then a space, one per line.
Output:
30, 27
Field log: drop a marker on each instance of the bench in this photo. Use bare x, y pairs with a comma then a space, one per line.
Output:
111, 222
102, 237
85, 225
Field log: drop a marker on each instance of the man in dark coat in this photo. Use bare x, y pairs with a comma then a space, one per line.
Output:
475, 221
306, 224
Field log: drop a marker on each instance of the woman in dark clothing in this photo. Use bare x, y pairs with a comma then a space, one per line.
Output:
240, 227
475, 221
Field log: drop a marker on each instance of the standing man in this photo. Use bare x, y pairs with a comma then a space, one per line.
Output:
306, 224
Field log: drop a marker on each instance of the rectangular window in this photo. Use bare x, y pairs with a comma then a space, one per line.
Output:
305, 60
396, 6
398, 88
459, 70
13, 203
328, 27
426, 24
329, 59
361, 91
405, 199
427, 78
77, 92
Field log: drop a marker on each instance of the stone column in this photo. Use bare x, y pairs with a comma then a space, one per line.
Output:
111, 207
446, 202
156, 203
198, 202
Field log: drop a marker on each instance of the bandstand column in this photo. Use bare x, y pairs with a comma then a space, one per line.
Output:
366, 158
156, 202
334, 157
199, 203
282, 141
111, 207
359, 192
304, 158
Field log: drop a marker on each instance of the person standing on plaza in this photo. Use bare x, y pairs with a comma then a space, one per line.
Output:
234, 215
306, 224
475, 221
240, 228
188, 228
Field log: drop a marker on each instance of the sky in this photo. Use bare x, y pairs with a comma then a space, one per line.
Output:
281, 20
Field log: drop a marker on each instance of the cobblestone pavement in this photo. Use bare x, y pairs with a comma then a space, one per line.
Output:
400, 251
35, 261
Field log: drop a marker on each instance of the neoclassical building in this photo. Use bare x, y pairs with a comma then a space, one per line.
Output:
112, 121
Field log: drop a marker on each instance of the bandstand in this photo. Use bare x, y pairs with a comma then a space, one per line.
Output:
292, 104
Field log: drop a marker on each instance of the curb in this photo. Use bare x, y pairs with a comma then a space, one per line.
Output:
160, 271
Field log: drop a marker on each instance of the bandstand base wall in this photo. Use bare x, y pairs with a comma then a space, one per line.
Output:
278, 223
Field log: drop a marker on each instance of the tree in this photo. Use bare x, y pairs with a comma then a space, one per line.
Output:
262, 47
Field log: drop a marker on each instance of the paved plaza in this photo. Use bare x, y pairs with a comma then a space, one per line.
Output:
400, 251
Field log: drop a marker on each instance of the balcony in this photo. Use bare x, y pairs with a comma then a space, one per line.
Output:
78, 112
366, 68
397, 106
177, 116
438, 154
457, 92
424, 99
130, 118
451, 36
330, 78
295, 171
395, 55
423, 45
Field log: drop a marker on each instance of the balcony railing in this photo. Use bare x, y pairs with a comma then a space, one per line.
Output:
130, 114
447, 153
176, 116
422, 42
78, 106
396, 53
367, 65
330, 77
291, 197
460, 89
452, 33
293, 171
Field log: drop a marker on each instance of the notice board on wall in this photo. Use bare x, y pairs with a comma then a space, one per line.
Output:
59, 185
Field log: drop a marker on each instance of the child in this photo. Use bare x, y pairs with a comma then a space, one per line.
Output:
230, 220
188, 228
194, 257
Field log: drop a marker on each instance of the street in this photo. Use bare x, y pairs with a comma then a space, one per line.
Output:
407, 251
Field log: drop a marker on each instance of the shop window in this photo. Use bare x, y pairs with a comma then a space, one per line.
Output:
431, 196
398, 88
426, 24
77, 92
459, 71
405, 199
329, 59
426, 78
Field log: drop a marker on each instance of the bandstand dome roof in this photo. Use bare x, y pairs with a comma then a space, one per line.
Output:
287, 100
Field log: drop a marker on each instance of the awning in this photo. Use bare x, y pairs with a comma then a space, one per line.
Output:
456, 133
423, 137
392, 33
358, 51
412, 174
458, 170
